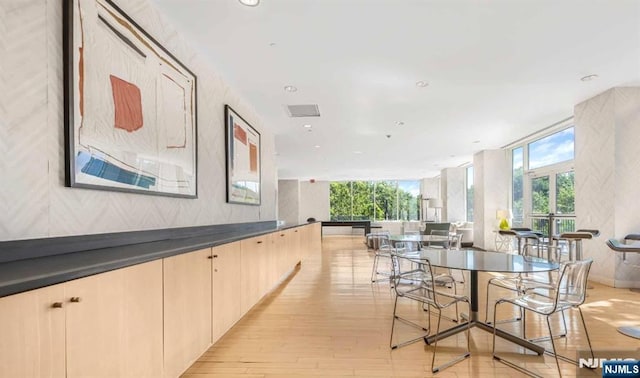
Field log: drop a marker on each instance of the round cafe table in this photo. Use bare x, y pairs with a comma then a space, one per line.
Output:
481, 261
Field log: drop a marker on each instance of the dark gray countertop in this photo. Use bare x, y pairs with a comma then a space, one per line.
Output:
28, 274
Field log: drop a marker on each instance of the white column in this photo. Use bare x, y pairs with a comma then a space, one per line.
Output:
607, 129
491, 179
453, 194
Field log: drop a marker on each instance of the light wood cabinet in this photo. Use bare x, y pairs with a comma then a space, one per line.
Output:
314, 238
293, 247
146, 320
226, 288
114, 323
187, 309
32, 337
253, 271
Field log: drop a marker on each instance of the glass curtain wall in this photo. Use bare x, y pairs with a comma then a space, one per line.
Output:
517, 187
374, 200
543, 183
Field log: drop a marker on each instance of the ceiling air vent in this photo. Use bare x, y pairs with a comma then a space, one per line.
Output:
303, 110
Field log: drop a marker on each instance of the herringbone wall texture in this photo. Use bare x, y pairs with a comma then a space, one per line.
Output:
289, 201
33, 200
607, 179
314, 200
491, 182
453, 189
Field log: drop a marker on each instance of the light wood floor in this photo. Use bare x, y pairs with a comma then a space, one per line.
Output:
328, 319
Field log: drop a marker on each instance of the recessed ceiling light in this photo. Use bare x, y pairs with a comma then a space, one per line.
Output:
290, 88
317, 146
307, 126
250, 3
589, 77
357, 152
399, 123
476, 141
421, 84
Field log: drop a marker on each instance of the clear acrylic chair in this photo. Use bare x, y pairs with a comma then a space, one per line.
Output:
568, 292
382, 249
412, 246
444, 239
439, 239
522, 282
430, 294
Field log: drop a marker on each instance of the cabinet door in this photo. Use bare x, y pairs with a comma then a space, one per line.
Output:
187, 309
280, 244
293, 248
315, 238
226, 288
114, 323
32, 334
253, 275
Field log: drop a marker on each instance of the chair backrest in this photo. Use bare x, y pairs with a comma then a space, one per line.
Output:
439, 238
423, 289
456, 241
428, 227
379, 240
572, 284
409, 245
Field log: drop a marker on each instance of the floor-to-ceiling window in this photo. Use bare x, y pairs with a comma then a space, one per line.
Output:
374, 200
517, 186
543, 182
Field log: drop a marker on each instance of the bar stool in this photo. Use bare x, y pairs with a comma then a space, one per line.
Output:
574, 241
615, 245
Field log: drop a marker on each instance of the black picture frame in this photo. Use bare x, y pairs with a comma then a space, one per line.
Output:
141, 136
243, 146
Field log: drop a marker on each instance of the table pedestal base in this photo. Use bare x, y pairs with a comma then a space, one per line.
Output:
486, 327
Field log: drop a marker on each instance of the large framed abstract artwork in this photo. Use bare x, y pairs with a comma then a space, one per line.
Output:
130, 106
243, 160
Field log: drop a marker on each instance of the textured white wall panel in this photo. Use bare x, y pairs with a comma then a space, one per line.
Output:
491, 182
607, 180
33, 199
453, 192
627, 180
289, 201
430, 189
314, 200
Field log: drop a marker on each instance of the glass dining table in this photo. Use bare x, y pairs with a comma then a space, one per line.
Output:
476, 261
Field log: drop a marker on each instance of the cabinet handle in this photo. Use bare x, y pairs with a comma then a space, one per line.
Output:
215, 270
215, 256
296, 231
209, 257
57, 305
75, 299
281, 234
259, 241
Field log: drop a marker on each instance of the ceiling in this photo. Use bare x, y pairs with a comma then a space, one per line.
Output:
496, 72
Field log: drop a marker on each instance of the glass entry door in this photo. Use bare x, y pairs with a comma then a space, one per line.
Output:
551, 193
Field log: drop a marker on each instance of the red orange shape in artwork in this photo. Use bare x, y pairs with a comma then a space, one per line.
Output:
240, 134
127, 102
253, 158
